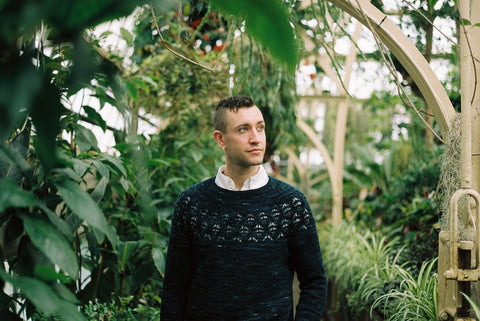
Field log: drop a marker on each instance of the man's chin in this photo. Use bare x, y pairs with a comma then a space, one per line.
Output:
252, 164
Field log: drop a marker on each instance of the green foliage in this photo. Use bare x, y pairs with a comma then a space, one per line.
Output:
79, 225
111, 312
269, 23
72, 225
475, 307
365, 266
360, 262
28, 88
415, 299
66, 226
398, 195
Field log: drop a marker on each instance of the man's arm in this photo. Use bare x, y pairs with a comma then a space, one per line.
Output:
308, 263
177, 267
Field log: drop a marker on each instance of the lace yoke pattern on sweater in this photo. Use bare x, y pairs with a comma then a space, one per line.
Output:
233, 224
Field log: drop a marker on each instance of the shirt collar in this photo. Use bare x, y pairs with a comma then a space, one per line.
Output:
256, 181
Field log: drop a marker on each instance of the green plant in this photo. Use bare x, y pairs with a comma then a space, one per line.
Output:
375, 281
474, 306
404, 206
360, 262
416, 297
101, 311
64, 225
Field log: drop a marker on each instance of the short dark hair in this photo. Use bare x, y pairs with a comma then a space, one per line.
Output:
232, 103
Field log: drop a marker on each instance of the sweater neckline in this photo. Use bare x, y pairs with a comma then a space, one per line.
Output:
213, 187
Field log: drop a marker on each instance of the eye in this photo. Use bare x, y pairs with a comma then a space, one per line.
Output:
243, 129
260, 128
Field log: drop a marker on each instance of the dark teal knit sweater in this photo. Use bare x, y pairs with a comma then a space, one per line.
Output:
232, 255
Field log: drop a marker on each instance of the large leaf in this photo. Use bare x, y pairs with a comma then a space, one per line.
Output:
267, 21
9, 157
12, 195
44, 297
48, 274
57, 222
92, 114
19, 84
69, 17
76, 15
158, 259
46, 116
68, 173
101, 168
116, 162
83, 205
52, 244
125, 252
99, 190
86, 139
20, 142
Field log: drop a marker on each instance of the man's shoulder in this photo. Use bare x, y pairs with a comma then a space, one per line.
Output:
199, 188
284, 192
283, 187
195, 195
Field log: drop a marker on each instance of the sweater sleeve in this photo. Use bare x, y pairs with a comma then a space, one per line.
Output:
308, 263
177, 267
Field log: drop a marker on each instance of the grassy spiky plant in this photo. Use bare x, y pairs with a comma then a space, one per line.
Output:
474, 306
360, 262
415, 300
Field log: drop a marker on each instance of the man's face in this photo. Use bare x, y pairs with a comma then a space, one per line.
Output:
244, 140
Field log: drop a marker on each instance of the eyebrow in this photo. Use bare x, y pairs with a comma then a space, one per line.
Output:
248, 124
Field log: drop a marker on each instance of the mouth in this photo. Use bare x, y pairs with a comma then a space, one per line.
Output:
256, 150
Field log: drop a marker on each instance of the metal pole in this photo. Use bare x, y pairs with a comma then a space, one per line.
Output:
466, 76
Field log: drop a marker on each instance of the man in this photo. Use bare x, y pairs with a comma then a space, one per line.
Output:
237, 238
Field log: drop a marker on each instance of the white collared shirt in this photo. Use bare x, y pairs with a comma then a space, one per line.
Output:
256, 181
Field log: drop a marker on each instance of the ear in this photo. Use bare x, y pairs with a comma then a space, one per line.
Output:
219, 138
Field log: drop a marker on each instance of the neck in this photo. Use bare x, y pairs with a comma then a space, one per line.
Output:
240, 174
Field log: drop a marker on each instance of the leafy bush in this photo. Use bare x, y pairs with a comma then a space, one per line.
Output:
101, 250
111, 312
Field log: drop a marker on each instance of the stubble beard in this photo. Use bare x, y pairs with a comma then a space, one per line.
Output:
252, 163
246, 163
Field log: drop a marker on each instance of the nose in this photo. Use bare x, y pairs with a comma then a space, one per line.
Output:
255, 136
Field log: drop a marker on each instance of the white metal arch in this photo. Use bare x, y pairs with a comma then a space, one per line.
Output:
408, 55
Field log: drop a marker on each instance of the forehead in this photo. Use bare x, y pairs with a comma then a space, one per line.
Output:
244, 115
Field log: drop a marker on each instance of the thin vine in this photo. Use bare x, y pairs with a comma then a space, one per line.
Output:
167, 46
